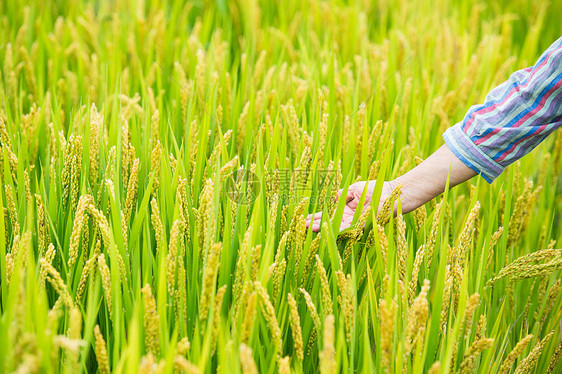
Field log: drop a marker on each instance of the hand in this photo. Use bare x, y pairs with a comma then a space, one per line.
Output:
352, 201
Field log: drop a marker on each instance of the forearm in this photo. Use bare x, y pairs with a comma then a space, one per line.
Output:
428, 180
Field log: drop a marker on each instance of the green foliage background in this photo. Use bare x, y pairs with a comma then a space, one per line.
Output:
288, 78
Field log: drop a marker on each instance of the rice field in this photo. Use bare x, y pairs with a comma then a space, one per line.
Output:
158, 160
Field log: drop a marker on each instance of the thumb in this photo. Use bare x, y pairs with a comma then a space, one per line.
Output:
350, 194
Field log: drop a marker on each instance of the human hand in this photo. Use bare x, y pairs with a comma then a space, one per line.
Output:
352, 201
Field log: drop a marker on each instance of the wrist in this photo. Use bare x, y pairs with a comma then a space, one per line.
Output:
413, 193
407, 198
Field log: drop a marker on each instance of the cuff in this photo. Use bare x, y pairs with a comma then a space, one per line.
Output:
469, 153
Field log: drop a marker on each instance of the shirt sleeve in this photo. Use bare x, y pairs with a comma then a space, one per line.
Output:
515, 117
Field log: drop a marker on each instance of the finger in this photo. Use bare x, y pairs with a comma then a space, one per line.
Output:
312, 223
349, 195
316, 226
314, 216
316, 221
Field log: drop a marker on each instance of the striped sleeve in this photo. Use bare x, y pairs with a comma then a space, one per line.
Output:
516, 116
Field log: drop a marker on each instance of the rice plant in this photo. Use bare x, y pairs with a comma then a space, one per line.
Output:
158, 160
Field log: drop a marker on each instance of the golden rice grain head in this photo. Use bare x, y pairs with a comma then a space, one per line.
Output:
155, 161
204, 215
86, 237
101, 351
183, 365
242, 272
247, 360
255, 262
284, 365
515, 352
171, 258
374, 170
102, 224
296, 330
525, 267
27, 187
210, 271
420, 215
518, 217
312, 309
468, 364
181, 291
447, 290
249, 317
155, 128
435, 368
28, 68
50, 254
10, 201
78, 228
553, 294
471, 306
241, 127
279, 277
417, 319
96, 123
151, 322
15, 247
43, 236
310, 259
327, 303
415, 272
228, 168
402, 247
25, 246
466, 235
183, 346
4, 135
528, 364
108, 174
125, 150
555, 358
132, 189
388, 207
269, 313
75, 328
10, 268
315, 318
147, 364
13, 161
346, 301
67, 165
481, 327
432, 236
328, 354
383, 243
493, 241
76, 170
54, 277
106, 283
87, 270
157, 226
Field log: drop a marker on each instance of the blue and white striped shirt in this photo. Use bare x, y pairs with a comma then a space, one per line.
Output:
516, 116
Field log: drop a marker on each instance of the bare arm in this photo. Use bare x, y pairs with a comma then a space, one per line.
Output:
421, 184
428, 180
